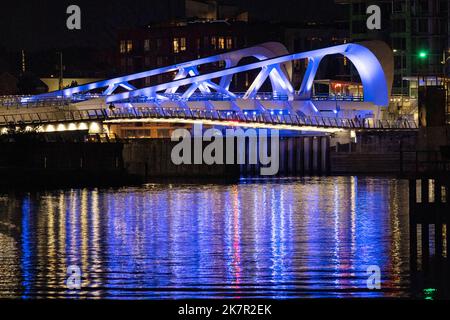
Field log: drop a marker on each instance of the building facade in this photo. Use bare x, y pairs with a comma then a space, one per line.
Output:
417, 31
174, 42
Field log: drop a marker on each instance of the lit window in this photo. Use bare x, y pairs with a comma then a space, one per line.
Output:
176, 45
129, 46
214, 43
182, 44
123, 46
221, 43
229, 43
147, 45
179, 45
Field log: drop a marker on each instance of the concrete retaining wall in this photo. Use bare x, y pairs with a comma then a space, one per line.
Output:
299, 156
374, 153
56, 164
151, 158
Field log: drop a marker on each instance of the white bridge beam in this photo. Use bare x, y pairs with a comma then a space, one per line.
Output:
274, 64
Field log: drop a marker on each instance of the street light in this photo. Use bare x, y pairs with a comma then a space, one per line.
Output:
445, 58
444, 73
444, 63
423, 54
61, 70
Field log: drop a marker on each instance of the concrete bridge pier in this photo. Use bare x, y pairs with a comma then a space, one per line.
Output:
298, 156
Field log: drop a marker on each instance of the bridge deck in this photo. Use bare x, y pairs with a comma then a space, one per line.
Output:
215, 117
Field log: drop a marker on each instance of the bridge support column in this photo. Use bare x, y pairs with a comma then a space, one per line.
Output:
308, 79
325, 155
291, 158
315, 154
300, 163
307, 154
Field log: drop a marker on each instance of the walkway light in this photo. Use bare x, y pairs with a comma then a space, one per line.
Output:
83, 126
94, 127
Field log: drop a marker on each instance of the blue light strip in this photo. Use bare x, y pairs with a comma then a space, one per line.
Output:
261, 52
368, 66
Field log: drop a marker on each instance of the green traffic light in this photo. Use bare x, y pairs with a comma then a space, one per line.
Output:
423, 54
429, 293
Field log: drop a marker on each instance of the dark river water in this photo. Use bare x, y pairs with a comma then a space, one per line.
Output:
311, 237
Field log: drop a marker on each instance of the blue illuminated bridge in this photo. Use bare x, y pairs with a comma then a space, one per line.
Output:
195, 97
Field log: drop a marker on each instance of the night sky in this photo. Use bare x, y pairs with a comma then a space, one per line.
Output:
37, 25
41, 25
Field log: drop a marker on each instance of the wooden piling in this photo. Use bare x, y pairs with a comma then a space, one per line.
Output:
429, 211
412, 224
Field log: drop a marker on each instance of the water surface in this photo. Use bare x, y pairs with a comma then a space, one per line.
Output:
310, 237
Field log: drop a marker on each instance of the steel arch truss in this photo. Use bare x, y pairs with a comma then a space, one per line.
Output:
274, 64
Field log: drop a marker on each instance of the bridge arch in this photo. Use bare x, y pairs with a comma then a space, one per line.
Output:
373, 61
375, 69
264, 51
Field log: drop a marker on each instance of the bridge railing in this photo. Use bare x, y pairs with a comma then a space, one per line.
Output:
18, 102
268, 118
328, 97
213, 96
260, 117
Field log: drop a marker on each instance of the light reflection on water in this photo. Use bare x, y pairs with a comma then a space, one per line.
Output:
312, 237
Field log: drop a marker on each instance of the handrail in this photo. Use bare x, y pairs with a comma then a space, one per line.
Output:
32, 118
27, 102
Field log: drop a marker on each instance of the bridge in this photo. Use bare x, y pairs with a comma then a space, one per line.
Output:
80, 119
195, 97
